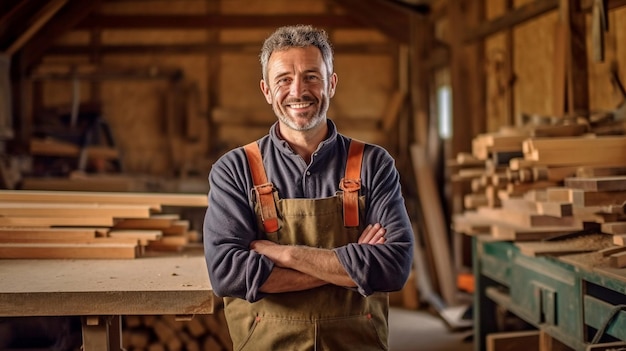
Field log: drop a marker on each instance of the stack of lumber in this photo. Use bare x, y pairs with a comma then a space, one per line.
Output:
67, 224
547, 188
160, 333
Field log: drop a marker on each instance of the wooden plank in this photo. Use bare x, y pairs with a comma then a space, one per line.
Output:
161, 222
471, 223
600, 171
508, 231
62, 221
554, 209
46, 234
527, 219
100, 183
583, 198
549, 343
179, 227
616, 183
574, 143
619, 239
581, 156
614, 228
510, 19
513, 341
587, 243
153, 199
437, 231
9, 209
67, 250
618, 260
612, 250
143, 236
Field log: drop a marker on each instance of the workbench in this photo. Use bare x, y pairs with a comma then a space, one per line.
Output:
568, 297
101, 291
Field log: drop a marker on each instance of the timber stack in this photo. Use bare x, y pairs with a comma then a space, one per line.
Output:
548, 183
98, 225
161, 333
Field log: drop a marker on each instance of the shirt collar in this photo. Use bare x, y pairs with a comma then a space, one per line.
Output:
326, 144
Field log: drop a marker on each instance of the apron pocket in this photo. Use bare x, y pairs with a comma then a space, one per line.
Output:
268, 333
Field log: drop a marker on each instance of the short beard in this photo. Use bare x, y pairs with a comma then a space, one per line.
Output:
318, 119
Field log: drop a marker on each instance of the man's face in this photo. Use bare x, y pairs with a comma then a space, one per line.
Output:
297, 87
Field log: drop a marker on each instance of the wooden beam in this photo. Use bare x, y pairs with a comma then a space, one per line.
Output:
23, 234
154, 200
215, 21
208, 48
67, 250
390, 18
39, 20
467, 78
37, 221
65, 20
573, 19
510, 19
78, 210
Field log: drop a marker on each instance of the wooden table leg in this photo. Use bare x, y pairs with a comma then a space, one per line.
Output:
102, 333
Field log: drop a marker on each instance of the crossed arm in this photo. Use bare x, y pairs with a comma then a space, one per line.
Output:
302, 267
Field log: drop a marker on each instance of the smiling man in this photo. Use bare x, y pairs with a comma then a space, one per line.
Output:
306, 229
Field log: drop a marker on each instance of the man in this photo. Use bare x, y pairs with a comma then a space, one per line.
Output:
306, 229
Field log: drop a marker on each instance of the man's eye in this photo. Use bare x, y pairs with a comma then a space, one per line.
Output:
284, 81
312, 79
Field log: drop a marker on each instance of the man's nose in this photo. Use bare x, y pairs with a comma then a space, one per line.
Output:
298, 87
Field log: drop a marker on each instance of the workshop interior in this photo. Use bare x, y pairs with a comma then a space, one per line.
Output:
506, 120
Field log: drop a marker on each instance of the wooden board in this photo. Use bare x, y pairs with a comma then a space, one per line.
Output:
506, 231
145, 286
581, 198
614, 228
527, 219
10, 209
587, 243
154, 222
616, 183
46, 234
437, 231
513, 341
67, 250
63, 221
154, 199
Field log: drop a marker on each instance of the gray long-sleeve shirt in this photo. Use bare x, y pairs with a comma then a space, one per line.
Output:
230, 224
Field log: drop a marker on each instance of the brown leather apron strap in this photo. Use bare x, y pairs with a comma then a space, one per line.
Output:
264, 190
351, 184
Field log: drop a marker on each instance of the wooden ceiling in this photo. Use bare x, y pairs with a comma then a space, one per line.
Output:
29, 27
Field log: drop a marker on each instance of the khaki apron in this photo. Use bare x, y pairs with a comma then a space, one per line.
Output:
324, 318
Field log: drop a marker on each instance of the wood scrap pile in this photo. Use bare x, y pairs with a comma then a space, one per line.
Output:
529, 188
67, 224
202, 332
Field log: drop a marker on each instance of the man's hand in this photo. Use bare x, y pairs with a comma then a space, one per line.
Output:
372, 234
272, 250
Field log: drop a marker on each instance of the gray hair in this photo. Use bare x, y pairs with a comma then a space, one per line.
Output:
298, 36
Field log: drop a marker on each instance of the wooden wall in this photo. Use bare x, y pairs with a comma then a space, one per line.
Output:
221, 75
534, 62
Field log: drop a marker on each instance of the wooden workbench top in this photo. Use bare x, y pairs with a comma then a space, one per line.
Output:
151, 285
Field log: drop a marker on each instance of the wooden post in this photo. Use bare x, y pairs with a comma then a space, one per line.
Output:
573, 19
467, 76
